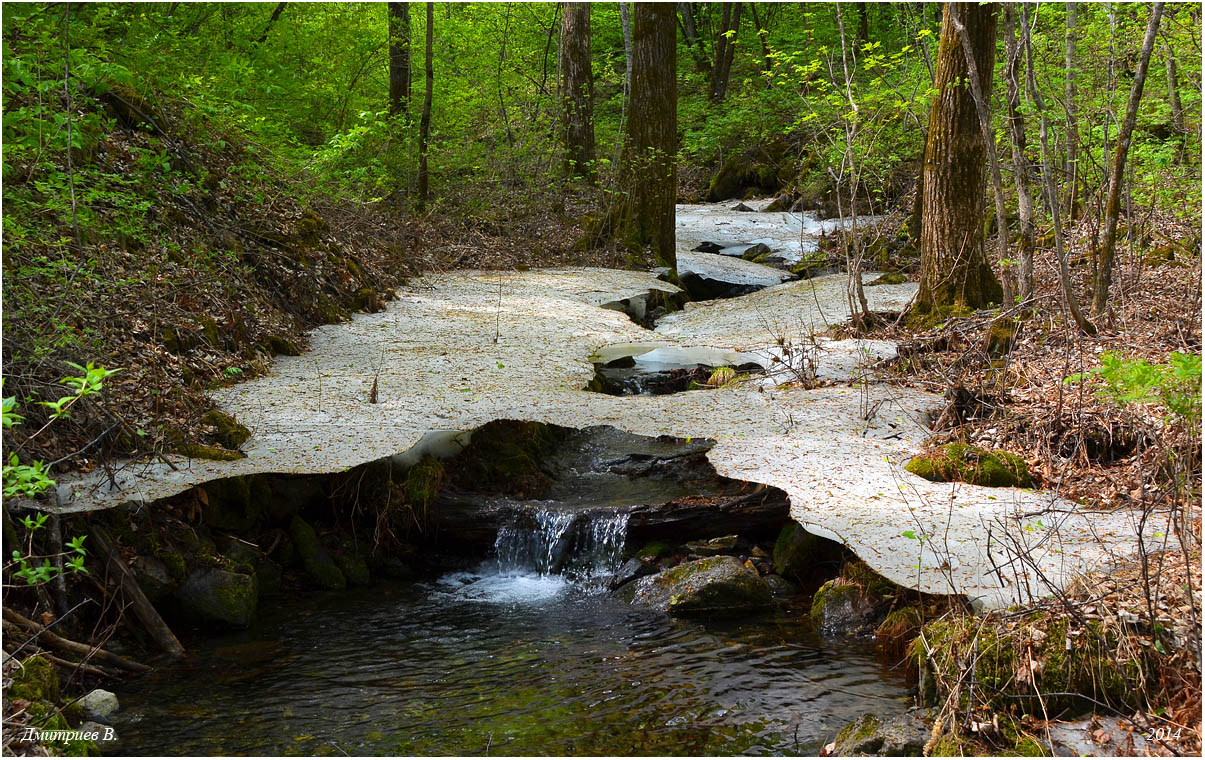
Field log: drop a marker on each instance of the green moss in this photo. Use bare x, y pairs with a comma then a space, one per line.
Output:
796, 551
1001, 336
278, 346
230, 432
949, 745
828, 593
314, 557
423, 481
971, 464
859, 737
655, 549
212, 453
871, 582
354, 568
890, 278
506, 456
45, 716
899, 627
209, 328
367, 300
36, 679
936, 317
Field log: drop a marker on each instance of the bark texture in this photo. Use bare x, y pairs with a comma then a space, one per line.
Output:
954, 268
650, 169
1104, 276
577, 91
424, 124
725, 49
399, 58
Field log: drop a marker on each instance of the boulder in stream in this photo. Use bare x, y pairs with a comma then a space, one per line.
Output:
708, 276
212, 595
902, 736
711, 587
314, 556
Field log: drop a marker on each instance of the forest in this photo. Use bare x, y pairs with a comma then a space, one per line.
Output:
647, 378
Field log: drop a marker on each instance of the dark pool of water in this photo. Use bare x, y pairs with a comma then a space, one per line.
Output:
485, 663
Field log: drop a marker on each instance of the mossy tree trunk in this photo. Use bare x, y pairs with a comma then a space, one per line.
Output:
649, 168
577, 91
399, 58
954, 268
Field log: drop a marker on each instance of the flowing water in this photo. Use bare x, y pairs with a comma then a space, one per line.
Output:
525, 654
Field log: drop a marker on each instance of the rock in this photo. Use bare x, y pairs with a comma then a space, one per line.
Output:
354, 568
754, 251
314, 557
713, 546
780, 587
153, 577
713, 587
211, 595
797, 553
742, 207
106, 736
841, 608
230, 432
631, 570
707, 276
290, 495
890, 278
902, 736
781, 203
763, 169
267, 573
99, 703
708, 247
971, 464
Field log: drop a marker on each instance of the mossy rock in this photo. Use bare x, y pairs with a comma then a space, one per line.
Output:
209, 328
714, 587
1064, 677
902, 736
314, 556
794, 551
890, 278
837, 607
971, 464
236, 504
311, 227
230, 432
873, 584
216, 596
354, 568
654, 549
1002, 336
35, 680
45, 716
279, 346
212, 453
368, 300
505, 456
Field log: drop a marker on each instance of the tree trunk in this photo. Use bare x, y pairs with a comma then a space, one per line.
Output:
625, 21
1104, 275
1049, 190
954, 269
275, 15
577, 91
1173, 89
424, 124
982, 96
763, 36
690, 33
863, 23
399, 58
1016, 130
725, 49
1069, 63
649, 165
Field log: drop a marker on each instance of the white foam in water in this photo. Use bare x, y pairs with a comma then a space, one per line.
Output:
506, 588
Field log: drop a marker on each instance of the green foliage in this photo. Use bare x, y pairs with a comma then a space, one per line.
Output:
1175, 385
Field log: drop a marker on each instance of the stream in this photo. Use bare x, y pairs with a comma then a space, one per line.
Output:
522, 653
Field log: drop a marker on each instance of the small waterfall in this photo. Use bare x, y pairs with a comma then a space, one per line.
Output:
579, 545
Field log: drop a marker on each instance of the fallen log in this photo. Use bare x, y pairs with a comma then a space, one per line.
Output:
146, 612
54, 641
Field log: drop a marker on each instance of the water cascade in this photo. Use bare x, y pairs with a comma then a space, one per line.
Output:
578, 545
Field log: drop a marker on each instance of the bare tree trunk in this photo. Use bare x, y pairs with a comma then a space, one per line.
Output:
1104, 276
275, 15
855, 294
863, 23
399, 58
1048, 186
1070, 97
762, 35
625, 21
725, 49
577, 91
954, 270
690, 33
982, 96
1016, 130
1173, 89
649, 165
424, 124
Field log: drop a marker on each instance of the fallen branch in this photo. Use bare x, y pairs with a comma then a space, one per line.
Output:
55, 641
